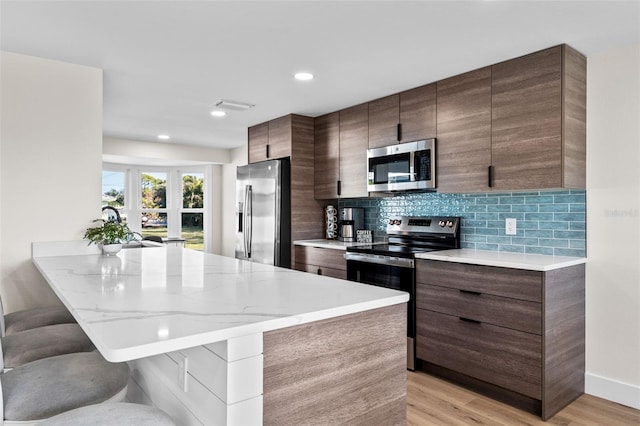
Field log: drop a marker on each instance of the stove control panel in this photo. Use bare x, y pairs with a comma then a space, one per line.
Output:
408, 225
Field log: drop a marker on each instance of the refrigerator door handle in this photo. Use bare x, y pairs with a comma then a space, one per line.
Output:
248, 207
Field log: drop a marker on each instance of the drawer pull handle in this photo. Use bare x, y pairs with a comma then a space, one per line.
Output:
475, 293
469, 320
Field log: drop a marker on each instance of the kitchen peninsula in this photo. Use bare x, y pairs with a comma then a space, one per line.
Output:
216, 340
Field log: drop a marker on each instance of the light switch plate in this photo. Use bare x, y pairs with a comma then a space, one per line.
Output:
510, 226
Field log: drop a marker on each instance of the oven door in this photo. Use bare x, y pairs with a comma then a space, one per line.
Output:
389, 272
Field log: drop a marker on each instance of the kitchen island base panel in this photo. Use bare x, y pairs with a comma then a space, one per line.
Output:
345, 370
212, 386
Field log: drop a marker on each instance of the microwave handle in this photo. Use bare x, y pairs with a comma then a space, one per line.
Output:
412, 163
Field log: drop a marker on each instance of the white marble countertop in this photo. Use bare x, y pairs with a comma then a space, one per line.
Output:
532, 262
149, 301
332, 244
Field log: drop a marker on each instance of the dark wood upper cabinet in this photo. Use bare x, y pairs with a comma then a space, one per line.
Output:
418, 113
354, 140
463, 146
526, 124
280, 137
403, 117
327, 156
258, 141
539, 120
270, 140
384, 116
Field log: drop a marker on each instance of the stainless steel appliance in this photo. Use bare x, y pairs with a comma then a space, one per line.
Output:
402, 167
392, 265
350, 220
263, 225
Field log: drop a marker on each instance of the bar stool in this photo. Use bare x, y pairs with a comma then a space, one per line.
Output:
33, 318
43, 342
112, 414
42, 389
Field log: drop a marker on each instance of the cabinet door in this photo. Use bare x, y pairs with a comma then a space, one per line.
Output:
353, 151
280, 137
258, 141
526, 125
327, 156
384, 116
418, 113
463, 148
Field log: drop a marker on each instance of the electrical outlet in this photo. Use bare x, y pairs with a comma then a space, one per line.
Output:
183, 371
510, 226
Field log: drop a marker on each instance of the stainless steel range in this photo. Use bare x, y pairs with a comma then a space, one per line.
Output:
392, 265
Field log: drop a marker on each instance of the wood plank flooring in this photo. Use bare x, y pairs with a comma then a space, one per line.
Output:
432, 401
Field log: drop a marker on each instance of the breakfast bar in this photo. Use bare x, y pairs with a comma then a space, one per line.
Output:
216, 340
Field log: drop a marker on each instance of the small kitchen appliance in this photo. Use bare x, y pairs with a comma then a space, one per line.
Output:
407, 166
351, 219
392, 265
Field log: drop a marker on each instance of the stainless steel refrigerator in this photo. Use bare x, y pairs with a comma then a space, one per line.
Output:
263, 227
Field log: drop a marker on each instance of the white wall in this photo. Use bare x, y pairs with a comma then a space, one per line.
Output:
51, 144
139, 152
613, 225
239, 157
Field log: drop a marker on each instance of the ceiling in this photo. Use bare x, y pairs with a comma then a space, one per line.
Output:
166, 63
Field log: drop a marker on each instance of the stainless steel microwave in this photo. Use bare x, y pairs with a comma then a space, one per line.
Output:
402, 167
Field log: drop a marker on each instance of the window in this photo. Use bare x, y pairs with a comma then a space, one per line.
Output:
192, 212
153, 204
113, 190
169, 202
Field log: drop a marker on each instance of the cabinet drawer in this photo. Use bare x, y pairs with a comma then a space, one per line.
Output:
330, 258
501, 356
512, 313
507, 282
322, 270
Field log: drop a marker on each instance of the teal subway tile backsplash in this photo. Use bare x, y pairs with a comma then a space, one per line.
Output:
548, 222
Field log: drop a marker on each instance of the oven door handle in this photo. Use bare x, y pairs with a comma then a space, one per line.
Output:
380, 260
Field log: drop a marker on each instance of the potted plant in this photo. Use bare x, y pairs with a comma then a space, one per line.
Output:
110, 235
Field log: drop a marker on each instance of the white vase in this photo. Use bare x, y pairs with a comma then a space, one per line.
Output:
111, 249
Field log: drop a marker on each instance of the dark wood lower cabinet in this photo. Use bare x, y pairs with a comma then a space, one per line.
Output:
321, 261
505, 357
524, 348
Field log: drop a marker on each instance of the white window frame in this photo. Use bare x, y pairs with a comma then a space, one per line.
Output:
133, 197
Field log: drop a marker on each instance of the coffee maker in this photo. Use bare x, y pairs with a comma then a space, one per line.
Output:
350, 219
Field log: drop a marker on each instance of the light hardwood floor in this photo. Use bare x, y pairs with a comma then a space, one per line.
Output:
431, 401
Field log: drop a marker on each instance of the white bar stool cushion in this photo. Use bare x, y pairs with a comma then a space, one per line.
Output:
50, 386
36, 317
44, 342
112, 414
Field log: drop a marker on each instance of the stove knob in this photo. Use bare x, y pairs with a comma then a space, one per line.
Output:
442, 223
398, 222
391, 221
450, 224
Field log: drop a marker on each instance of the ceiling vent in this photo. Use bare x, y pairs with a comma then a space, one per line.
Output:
234, 105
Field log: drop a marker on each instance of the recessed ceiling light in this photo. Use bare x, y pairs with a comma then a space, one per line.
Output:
218, 113
303, 76
164, 137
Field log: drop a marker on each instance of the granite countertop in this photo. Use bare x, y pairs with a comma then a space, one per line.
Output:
334, 244
533, 262
146, 302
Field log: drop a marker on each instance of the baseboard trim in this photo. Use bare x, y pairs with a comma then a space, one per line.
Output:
612, 390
